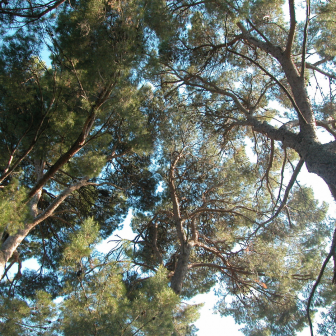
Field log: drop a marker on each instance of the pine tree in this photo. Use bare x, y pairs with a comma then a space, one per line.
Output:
62, 126
96, 298
141, 94
213, 227
230, 61
240, 56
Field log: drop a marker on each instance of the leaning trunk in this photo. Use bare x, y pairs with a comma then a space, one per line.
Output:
9, 247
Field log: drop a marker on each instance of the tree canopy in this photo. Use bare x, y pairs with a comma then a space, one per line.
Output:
198, 116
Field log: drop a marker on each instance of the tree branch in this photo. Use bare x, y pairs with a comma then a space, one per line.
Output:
291, 33
12, 242
285, 198
273, 78
324, 265
176, 204
215, 89
305, 37
15, 12
314, 67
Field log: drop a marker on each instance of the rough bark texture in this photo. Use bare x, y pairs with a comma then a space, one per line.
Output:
185, 246
320, 159
181, 269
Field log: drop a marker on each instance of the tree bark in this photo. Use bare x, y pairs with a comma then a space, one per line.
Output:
181, 269
185, 246
64, 158
319, 158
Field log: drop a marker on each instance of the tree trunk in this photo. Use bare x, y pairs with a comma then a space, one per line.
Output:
9, 247
181, 269
320, 159
12, 242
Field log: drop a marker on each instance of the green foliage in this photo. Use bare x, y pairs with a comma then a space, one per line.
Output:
82, 241
13, 208
140, 94
101, 305
19, 317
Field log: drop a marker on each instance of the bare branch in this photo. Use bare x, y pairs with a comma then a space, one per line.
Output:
258, 31
269, 169
291, 33
324, 265
211, 87
275, 79
323, 60
33, 15
325, 125
314, 67
305, 37
288, 189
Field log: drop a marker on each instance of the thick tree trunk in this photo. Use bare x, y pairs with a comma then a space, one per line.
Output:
181, 269
183, 258
321, 160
